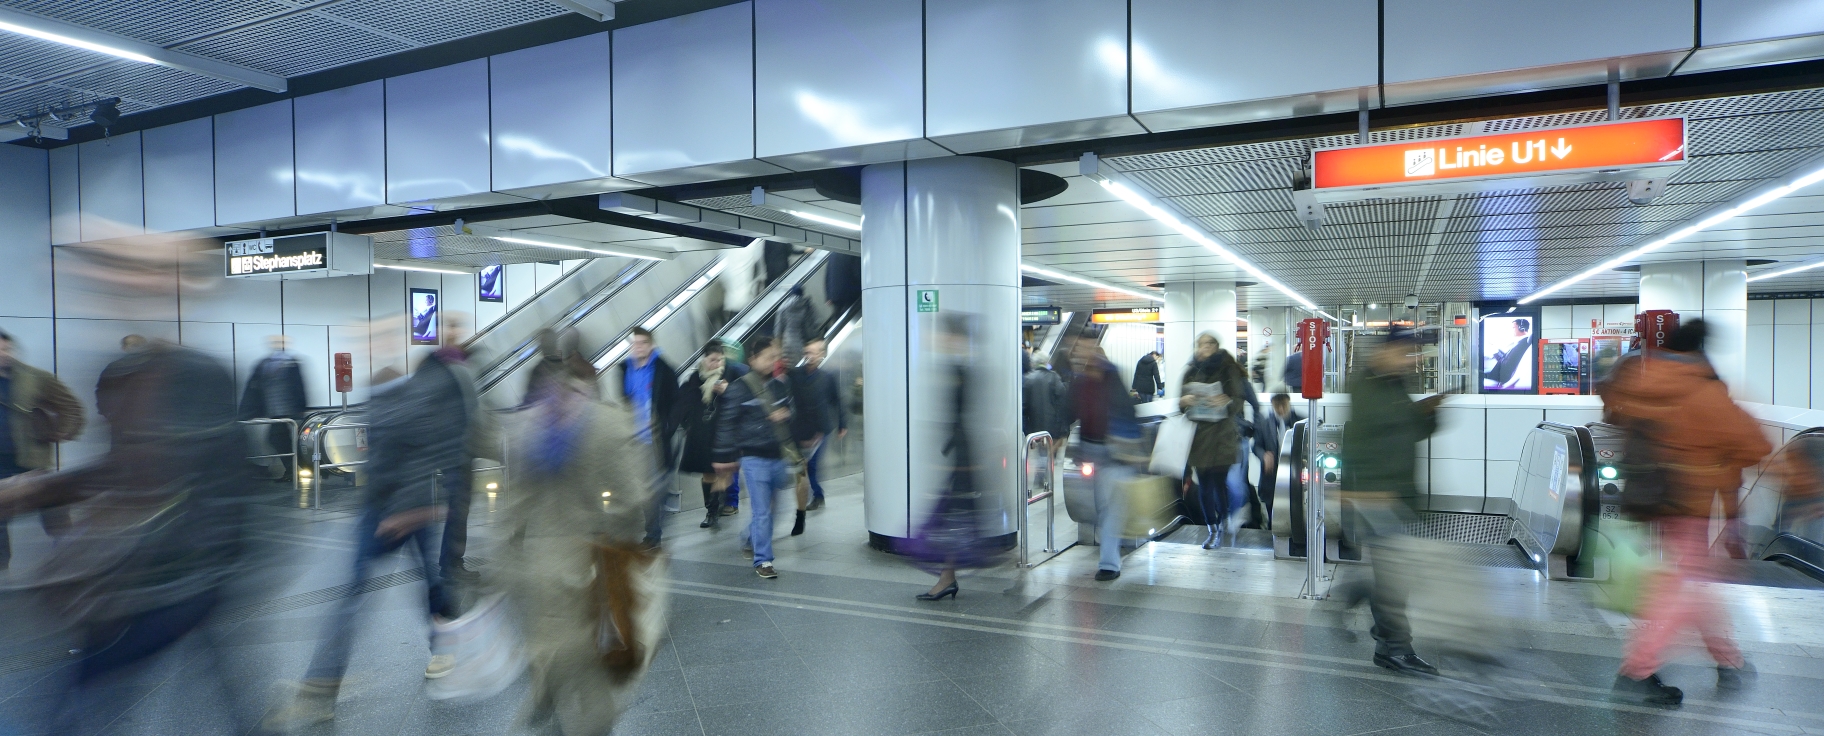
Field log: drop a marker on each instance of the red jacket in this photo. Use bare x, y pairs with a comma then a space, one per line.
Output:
1704, 438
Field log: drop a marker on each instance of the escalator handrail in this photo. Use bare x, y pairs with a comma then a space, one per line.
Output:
605, 358
747, 321
498, 368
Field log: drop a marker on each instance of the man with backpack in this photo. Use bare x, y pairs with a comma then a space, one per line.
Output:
1688, 444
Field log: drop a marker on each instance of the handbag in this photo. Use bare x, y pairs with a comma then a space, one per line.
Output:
488, 653
618, 600
1172, 446
1645, 491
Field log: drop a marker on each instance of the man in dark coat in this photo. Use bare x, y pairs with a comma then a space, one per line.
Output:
32, 401
842, 281
751, 433
817, 417
275, 390
1109, 432
650, 387
1147, 383
1378, 481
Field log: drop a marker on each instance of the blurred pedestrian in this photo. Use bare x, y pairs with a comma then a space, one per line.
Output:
793, 325
275, 390
1147, 383
1672, 404
419, 425
697, 408
39, 412
1378, 482
589, 593
1040, 407
650, 385
1214, 388
1293, 375
842, 281
953, 536
455, 480
1269, 436
1108, 431
163, 516
817, 417
753, 437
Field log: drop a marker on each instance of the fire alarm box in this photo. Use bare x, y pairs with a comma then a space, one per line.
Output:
345, 372
1564, 366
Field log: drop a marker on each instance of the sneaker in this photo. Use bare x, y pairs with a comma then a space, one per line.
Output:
730, 510
1106, 575
1731, 678
440, 665
311, 702
1650, 690
816, 503
765, 570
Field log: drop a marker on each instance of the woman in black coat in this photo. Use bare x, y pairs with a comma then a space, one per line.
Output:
695, 411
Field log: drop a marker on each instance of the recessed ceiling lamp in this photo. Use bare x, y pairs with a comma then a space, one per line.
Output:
1786, 271
1104, 285
1716, 218
1091, 168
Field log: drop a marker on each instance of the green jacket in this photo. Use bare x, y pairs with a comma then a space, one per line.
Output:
1384, 424
37, 389
1218, 443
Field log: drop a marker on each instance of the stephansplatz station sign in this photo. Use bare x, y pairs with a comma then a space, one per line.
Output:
1611, 151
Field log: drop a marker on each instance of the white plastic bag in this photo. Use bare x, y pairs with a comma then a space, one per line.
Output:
1172, 447
487, 651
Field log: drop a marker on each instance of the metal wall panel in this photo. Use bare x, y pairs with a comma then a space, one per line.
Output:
684, 98
254, 176
341, 149
1817, 353
1792, 363
1742, 33
1198, 63
25, 233
1004, 73
839, 82
180, 176
310, 344
113, 188
205, 296
551, 108
66, 196
1552, 43
437, 135
1757, 385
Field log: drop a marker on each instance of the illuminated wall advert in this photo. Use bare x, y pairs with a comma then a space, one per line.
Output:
423, 309
1509, 353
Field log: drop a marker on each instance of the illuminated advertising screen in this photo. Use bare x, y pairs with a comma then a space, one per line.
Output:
1124, 316
492, 283
1510, 348
423, 308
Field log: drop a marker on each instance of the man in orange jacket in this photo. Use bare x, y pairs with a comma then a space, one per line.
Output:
1703, 441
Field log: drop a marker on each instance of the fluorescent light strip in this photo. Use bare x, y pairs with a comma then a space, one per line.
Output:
77, 42
831, 221
1753, 203
560, 246
1141, 202
1048, 273
1785, 271
420, 268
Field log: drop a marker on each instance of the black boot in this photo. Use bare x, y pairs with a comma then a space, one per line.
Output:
798, 524
712, 509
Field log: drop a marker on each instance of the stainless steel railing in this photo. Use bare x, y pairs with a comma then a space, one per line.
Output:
316, 459
1047, 493
293, 423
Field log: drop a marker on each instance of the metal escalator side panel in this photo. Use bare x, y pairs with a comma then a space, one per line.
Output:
756, 313
1782, 508
663, 309
1548, 491
513, 339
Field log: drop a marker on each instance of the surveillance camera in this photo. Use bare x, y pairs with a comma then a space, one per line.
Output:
1412, 301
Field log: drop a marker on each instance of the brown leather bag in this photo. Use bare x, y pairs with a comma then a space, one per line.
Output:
616, 602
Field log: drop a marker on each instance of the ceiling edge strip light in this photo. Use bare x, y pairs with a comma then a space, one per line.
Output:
1104, 285
1712, 220
1785, 271
419, 268
1091, 168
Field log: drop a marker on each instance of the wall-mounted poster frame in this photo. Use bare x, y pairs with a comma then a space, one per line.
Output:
491, 284
423, 306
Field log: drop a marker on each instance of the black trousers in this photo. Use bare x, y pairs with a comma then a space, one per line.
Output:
1213, 493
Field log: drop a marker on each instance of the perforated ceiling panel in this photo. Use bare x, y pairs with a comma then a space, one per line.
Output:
284, 37
1489, 245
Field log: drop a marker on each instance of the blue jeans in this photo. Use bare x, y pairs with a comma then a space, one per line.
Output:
763, 476
1110, 506
733, 500
810, 467
331, 659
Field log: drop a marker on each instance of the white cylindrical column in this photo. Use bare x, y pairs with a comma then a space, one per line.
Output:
940, 246
1714, 291
1193, 308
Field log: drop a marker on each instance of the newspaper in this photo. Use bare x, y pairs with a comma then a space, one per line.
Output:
1208, 404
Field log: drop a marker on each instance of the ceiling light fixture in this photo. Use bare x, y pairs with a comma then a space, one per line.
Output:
1104, 285
562, 246
1717, 218
1785, 271
131, 49
1091, 168
420, 268
831, 221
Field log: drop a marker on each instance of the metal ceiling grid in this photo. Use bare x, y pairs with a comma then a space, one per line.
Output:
285, 37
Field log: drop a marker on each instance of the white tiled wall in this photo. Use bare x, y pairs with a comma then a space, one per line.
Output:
1785, 339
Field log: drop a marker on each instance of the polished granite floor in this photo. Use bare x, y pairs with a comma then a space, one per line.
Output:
1188, 641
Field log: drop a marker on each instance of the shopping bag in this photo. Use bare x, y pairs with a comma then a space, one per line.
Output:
1625, 547
1172, 447
1150, 504
487, 652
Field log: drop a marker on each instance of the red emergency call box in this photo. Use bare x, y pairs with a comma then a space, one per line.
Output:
345, 372
1654, 327
1312, 335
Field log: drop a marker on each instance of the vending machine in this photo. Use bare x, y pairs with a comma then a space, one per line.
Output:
1564, 366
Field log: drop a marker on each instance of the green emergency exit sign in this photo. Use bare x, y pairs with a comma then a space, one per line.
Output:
927, 300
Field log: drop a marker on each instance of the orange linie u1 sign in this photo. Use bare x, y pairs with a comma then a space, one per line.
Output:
1601, 147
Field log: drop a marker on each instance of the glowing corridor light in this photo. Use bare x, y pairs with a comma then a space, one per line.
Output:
1687, 231
831, 221
420, 268
562, 246
1144, 204
1104, 285
1786, 271
76, 42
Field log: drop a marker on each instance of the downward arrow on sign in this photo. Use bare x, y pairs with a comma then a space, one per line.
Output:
1561, 150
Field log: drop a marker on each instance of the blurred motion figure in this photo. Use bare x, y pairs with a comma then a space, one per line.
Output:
275, 390
39, 412
953, 535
